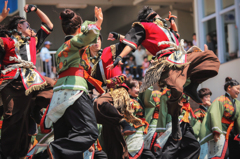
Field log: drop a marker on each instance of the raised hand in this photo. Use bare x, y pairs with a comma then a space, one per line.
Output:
30, 8
99, 16
5, 11
170, 17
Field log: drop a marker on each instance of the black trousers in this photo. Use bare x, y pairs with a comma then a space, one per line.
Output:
100, 155
76, 130
147, 154
233, 147
187, 148
17, 122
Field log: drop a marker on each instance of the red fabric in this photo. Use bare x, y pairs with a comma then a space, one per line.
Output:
45, 30
9, 49
153, 140
153, 35
43, 129
237, 137
107, 59
74, 71
33, 51
138, 154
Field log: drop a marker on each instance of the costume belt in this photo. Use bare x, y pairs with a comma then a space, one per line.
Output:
188, 109
74, 71
144, 123
231, 124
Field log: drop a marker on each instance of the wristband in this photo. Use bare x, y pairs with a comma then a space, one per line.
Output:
30, 7
119, 58
115, 35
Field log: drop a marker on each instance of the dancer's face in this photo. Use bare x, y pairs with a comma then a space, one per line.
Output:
233, 91
206, 100
24, 28
134, 91
97, 46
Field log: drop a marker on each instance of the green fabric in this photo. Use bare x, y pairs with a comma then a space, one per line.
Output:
212, 121
148, 114
68, 55
146, 98
199, 114
148, 103
196, 128
164, 117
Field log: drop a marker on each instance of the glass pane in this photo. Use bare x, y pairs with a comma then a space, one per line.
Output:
227, 3
230, 36
209, 6
211, 36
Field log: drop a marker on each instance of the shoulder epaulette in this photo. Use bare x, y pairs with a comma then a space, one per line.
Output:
137, 23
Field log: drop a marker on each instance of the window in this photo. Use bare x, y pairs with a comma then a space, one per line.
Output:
209, 6
210, 35
230, 36
227, 3
218, 23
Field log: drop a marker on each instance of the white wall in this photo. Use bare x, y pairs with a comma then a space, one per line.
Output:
216, 84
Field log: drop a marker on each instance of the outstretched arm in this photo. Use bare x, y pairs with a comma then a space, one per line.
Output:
44, 18
115, 36
132, 40
5, 12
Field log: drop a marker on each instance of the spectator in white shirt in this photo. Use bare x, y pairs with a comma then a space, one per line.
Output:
46, 58
139, 56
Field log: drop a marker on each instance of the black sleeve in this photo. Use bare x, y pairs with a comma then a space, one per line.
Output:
176, 34
42, 34
134, 37
119, 48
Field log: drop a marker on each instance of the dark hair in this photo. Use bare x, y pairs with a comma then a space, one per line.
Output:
203, 92
3, 31
131, 55
142, 15
193, 34
230, 82
132, 83
13, 23
70, 21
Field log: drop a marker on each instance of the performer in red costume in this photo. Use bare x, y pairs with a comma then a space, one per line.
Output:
20, 82
173, 65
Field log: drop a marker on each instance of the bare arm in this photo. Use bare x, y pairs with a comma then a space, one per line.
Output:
44, 18
172, 22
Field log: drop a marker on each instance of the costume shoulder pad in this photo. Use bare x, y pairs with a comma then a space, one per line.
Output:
137, 23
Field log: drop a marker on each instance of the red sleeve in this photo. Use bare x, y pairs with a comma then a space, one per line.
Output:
107, 59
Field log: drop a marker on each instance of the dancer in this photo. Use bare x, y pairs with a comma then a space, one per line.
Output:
188, 147
70, 110
173, 70
200, 113
135, 142
223, 116
151, 136
20, 82
113, 111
